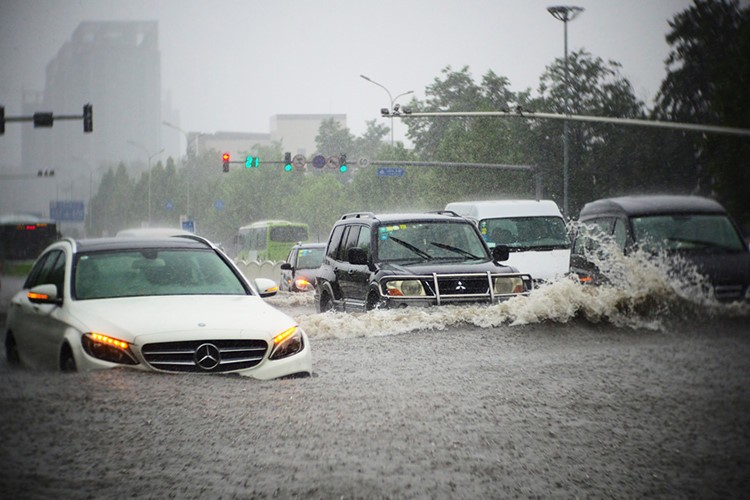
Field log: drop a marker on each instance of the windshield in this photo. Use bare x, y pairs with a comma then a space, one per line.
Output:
686, 232
427, 241
526, 233
144, 272
310, 258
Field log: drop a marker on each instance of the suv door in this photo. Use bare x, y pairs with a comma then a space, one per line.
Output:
352, 278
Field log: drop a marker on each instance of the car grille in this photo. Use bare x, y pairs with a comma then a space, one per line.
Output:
464, 286
214, 356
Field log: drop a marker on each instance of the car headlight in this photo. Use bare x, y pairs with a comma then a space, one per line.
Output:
287, 343
508, 285
303, 285
405, 288
107, 348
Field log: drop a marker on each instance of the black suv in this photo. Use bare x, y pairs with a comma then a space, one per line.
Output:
396, 260
696, 229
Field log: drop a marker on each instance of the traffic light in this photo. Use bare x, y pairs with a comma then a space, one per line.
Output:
252, 161
225, 159
343, 167
288, 161
2, 120
88, 118
43, 119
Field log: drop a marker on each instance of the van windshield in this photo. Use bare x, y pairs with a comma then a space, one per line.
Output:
526, 233
686, 232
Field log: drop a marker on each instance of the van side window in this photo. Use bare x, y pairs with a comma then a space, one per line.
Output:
620, 233
591, 234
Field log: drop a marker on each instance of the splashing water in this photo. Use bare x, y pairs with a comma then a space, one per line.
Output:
642, 291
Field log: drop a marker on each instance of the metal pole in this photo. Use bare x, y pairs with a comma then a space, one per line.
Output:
390, 97
565, 14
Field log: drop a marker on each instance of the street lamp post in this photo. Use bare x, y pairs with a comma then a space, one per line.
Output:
150, 157
393, 99
565, 13
187, 154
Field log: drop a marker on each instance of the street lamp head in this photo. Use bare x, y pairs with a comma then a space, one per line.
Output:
385, 112
366, 78
564, 13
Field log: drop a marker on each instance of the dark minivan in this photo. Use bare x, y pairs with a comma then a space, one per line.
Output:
695, 228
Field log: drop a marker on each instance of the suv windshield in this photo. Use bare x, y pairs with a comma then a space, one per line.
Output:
686, 232
426, 241
310, 258
526, 233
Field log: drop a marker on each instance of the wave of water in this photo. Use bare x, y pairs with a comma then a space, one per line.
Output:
646, 292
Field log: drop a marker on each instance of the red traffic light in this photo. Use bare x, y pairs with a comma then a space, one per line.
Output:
225, 157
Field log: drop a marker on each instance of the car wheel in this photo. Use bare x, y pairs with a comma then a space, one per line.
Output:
67, 361
11, 350
325, 303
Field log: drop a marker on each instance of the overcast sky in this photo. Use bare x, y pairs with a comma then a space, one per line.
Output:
230, 65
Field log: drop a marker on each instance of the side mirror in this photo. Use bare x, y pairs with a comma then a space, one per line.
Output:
266, 287
44, 294
286, 266
500, 253
357, 256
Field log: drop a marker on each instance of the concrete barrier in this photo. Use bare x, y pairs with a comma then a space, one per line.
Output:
257, 269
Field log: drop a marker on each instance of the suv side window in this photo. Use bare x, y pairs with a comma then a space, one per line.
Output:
335, 241
364, 240
352, 237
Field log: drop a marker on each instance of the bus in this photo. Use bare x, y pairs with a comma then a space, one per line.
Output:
269, 240
23, 237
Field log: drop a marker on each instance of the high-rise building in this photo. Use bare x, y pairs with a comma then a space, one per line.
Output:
116, 67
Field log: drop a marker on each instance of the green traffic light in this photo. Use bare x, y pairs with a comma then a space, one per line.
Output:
252, 161
288, 167
343, 168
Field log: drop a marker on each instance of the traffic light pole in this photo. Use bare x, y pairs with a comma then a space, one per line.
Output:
45, 119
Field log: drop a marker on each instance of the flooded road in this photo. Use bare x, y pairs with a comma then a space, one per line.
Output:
568, 393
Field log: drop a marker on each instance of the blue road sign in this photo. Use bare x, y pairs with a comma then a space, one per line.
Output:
169, 205
188, 225
390, 172
319, 161
66, 210
219, 205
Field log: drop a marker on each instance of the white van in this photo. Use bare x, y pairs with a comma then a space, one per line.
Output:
533, 230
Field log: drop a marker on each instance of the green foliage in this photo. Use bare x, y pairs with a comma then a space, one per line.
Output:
708, 74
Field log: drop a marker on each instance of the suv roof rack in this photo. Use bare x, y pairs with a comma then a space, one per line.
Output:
358, 215
444, 212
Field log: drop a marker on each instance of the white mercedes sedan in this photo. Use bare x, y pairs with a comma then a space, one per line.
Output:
166, 304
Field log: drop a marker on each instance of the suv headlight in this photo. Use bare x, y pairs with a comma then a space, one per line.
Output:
287, 343
508, 285
405, 288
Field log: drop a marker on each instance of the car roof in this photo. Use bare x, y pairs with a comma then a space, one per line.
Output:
389, 218
651, 205
120, 243
151, 232
490, 209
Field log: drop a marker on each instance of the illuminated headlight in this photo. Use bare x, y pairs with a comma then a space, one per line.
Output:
508, 285
405, 288
287, 343
303, 285
107, 348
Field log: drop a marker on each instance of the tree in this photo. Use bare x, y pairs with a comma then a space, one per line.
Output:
707, 80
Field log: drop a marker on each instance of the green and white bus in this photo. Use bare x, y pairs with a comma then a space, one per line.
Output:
269, 239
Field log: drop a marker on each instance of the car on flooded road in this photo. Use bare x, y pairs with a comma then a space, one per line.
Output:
299, 273
164, 304
416, 259
694, 229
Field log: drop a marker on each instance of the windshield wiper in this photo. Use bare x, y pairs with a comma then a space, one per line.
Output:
414, 249
457, 250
